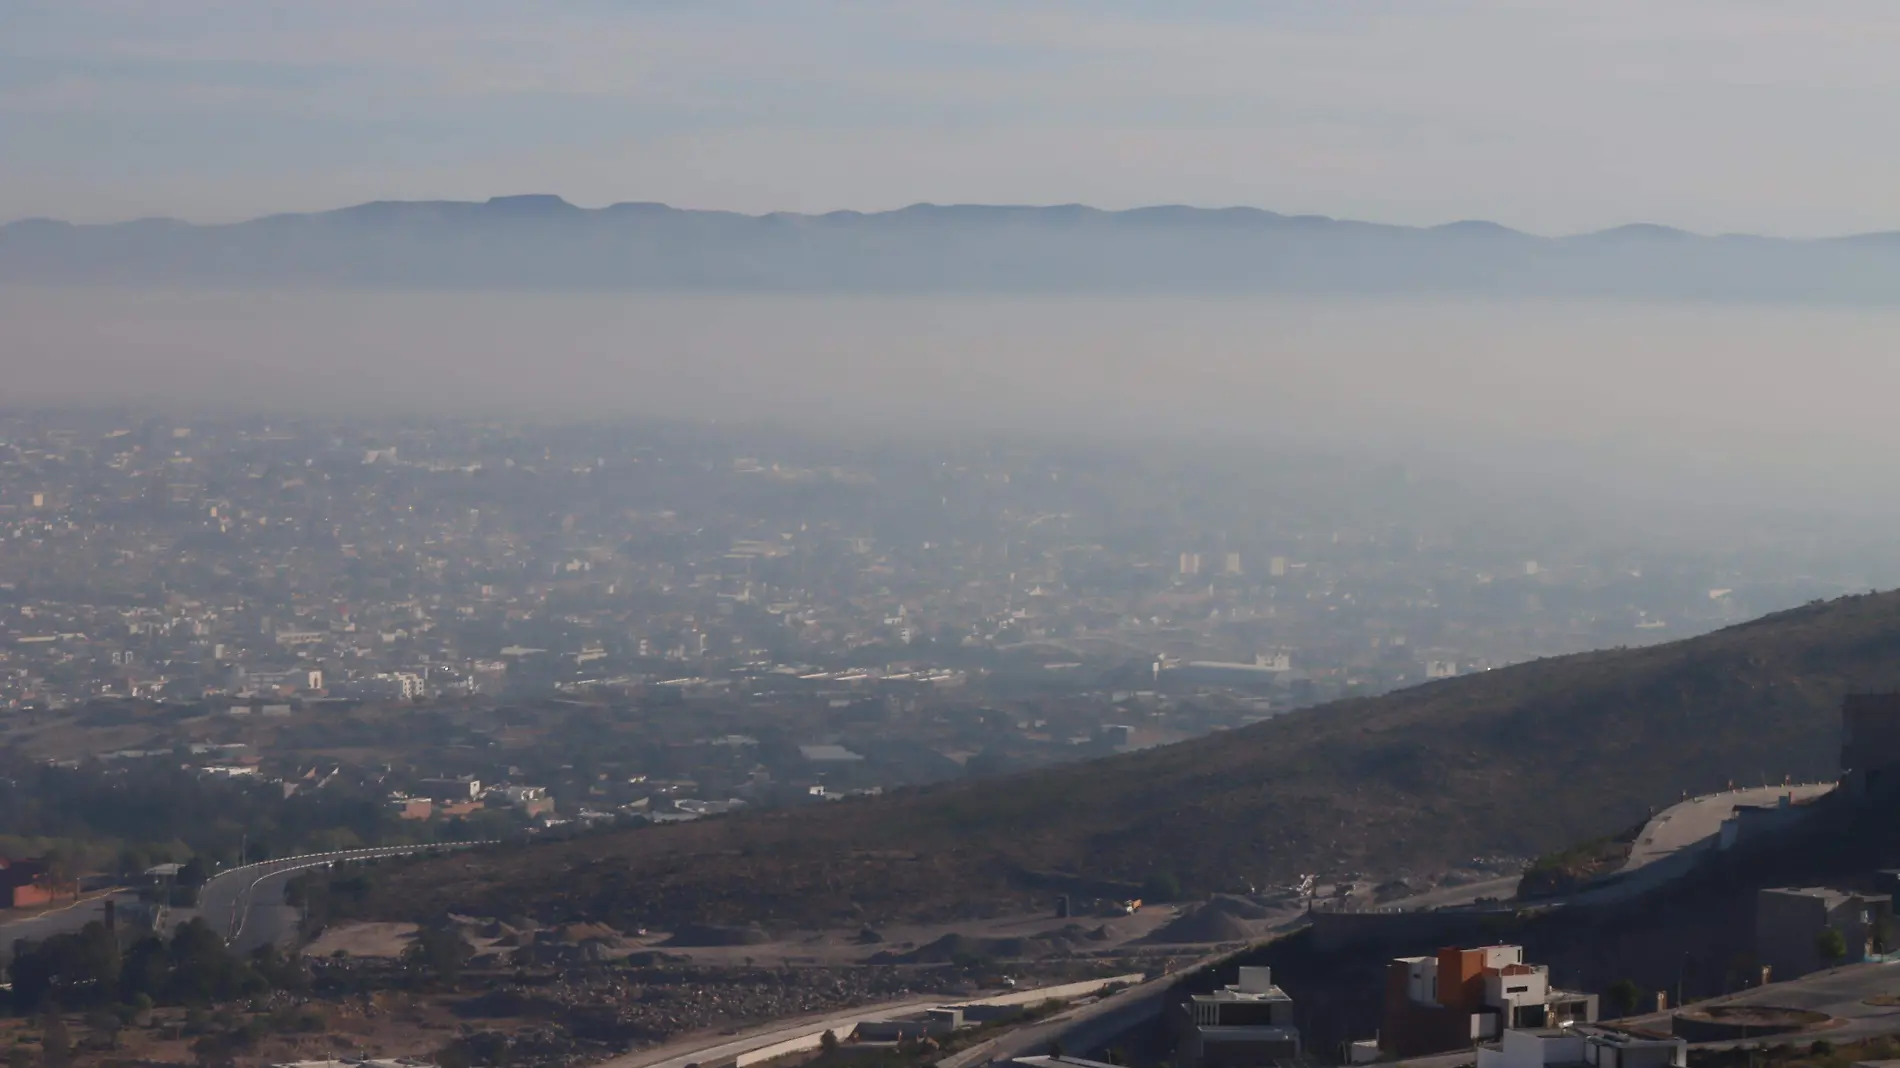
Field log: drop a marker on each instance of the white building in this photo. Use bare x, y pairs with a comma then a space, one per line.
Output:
1240, 1025
1592, 1047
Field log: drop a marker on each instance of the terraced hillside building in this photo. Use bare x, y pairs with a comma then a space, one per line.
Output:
1460, 997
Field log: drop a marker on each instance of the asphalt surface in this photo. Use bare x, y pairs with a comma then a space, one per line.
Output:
1840, 992
704, 1050
62, 920
1096, 1021
1689, 823
246, 905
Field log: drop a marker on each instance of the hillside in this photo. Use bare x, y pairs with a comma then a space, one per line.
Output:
1520, 761
543, 243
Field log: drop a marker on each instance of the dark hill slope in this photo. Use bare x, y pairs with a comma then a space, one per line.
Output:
1515, 761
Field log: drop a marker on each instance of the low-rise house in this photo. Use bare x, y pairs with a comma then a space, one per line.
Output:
1582, 1047
1790, 921
1241, 1025
1460, 997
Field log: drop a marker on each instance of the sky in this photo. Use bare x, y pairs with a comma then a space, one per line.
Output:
1553, 116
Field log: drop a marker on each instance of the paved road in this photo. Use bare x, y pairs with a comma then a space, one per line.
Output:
246, 905
1080, 1028
704, 1050
1840, 992
1700, 818
60, 920
1503, 888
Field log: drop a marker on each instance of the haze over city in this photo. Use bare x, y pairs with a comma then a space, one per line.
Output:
927, 534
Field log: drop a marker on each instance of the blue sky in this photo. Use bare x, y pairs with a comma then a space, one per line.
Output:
1553, 116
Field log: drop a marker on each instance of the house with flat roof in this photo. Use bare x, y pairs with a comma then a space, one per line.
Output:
1245, 1024
1459, 997
1789, 921
1582, 1047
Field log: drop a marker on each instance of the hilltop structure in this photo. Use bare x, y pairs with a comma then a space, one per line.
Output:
1463, 996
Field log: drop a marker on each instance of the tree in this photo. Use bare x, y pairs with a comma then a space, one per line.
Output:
146, 969
194, 873
80, 967
1623, 996
56, 1044
202, 969
104, 1024
1830, 945
440, 950
828, 1042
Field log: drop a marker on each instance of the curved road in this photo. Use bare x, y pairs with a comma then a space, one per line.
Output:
1693, 821
246, 905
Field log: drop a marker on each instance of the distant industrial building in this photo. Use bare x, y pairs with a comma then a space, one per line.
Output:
1461, 997
1241, 1025
1789, 922
449, 791
1267, 669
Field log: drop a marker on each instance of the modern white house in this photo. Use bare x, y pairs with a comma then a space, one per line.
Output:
1590, 1047
1241, 1025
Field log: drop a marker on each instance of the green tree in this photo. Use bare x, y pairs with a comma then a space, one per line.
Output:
194, 873
440, 950
146, 970
104, 1025
80, 967
1623, 996
828, 1042
56, 1044
1830, 945
202, 969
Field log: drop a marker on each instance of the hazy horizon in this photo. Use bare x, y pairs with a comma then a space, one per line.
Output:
1710, 116
1767, 406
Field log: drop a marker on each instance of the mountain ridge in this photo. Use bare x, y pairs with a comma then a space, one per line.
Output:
541, 241
1516, 761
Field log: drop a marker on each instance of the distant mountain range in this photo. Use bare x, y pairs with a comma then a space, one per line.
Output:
543, 242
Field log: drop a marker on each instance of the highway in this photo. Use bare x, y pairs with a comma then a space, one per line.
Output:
246, 905
702, 1050
761, 1043
1078, 1029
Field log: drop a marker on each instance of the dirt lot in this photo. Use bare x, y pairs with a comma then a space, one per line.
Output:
363, 940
